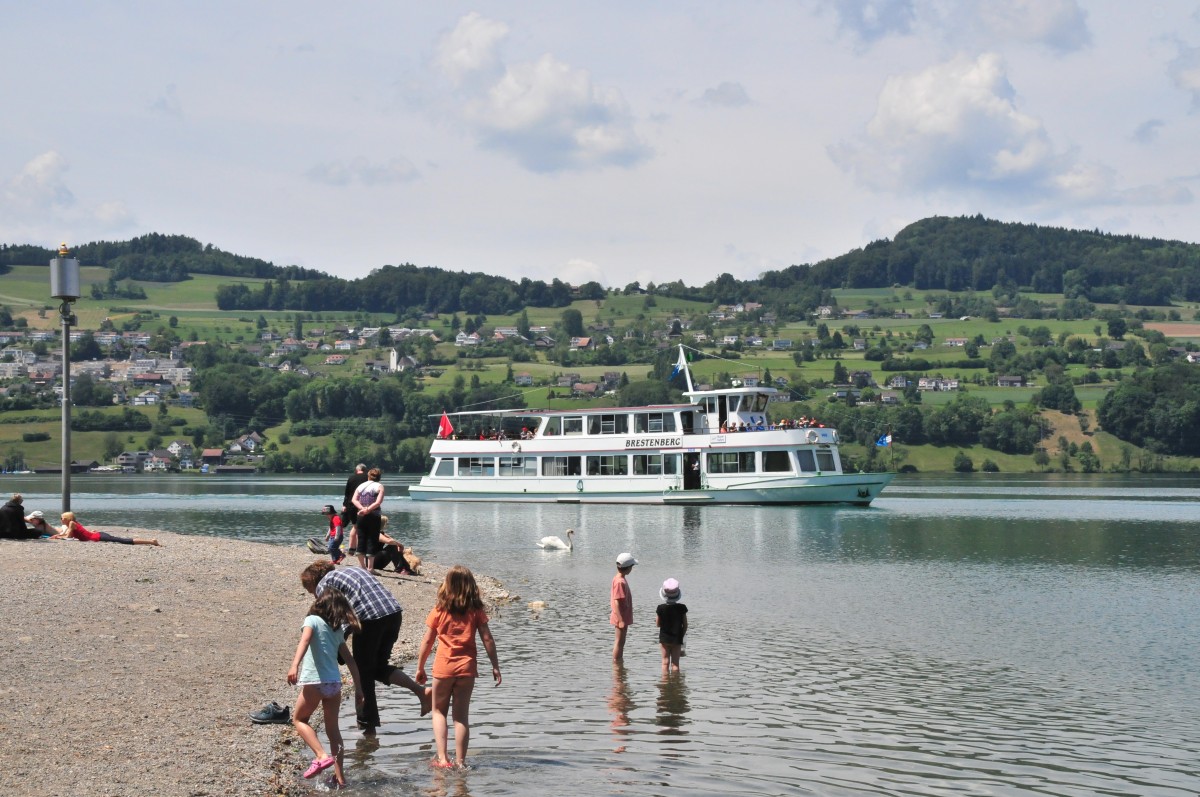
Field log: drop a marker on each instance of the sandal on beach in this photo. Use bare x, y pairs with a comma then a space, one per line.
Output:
433, 762
318, 766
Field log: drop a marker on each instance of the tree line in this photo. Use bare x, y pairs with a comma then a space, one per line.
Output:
935, 254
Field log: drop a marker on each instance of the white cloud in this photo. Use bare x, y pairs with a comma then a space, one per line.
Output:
471, 50
396, 170
955, 125
36, 204
872, 20
1185, 72
1147, 131
40, 186
168, 102
578, 271
113, 215
546, 113
1060, 25
727, 95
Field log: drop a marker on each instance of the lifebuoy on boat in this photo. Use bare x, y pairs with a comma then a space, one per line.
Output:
516, 446
813, 436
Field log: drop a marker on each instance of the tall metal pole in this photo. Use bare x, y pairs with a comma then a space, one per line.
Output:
64, 285
64, 312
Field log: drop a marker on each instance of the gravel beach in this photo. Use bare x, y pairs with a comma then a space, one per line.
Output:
131, 669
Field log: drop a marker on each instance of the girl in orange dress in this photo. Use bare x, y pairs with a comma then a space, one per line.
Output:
455, 620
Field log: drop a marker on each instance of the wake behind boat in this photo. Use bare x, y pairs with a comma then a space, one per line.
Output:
720, 448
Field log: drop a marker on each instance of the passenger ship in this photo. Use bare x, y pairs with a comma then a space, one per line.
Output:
666, 454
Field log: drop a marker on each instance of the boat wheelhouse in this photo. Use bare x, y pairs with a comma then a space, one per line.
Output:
720, 448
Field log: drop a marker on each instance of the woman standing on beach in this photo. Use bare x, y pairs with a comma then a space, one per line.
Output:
73, 530
315, 669
368, 499
453, 623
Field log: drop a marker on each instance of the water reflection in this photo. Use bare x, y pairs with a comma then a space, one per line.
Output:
620, 704
672, 706
448, 783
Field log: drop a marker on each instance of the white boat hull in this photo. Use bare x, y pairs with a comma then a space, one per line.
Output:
858, 489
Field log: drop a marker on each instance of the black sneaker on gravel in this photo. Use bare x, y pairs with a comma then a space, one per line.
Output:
272, 714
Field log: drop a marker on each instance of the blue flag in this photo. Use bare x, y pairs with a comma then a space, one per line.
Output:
884, 440
680, 365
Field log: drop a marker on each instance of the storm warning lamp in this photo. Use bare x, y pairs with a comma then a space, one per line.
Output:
64, 286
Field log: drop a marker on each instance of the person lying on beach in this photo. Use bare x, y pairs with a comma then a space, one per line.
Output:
38, 525
72, 530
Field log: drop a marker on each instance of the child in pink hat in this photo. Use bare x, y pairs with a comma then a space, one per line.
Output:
672, 624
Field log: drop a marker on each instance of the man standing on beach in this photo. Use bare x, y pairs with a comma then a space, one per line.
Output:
350, 511
380, 615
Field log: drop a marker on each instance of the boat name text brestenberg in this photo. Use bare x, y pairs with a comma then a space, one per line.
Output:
654, 442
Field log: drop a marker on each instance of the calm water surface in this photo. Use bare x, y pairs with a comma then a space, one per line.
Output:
1002, 635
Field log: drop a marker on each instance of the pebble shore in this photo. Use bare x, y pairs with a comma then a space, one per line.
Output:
131, 670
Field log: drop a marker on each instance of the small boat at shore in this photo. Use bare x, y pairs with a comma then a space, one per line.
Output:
719, 448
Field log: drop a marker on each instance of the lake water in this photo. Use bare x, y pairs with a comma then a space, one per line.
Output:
982, 635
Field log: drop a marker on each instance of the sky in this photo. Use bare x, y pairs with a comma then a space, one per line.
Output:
614, 141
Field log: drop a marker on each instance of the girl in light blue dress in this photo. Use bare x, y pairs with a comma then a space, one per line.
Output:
315, 669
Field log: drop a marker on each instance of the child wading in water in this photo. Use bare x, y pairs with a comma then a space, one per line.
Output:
672, 624
454, 621
315, 669
621, 603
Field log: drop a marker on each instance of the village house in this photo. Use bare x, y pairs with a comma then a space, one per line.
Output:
1010, 381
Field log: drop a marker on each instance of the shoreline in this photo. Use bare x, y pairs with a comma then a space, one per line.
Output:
133, 669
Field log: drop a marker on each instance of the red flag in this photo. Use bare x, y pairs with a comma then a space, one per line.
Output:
445, 428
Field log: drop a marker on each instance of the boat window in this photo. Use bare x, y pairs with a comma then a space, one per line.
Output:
573, 424
561, 466
655, 464
518, 466
654, 422
733, 402
608, 465
825, 460
760, 402
476, 466
444, 467
808, 463
731, 462
608, 424
777, 462
553, 426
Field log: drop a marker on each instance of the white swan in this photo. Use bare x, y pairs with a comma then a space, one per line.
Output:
555, 543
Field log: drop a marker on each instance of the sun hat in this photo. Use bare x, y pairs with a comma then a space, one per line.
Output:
328, 510
670, 591
626, 560
36, 515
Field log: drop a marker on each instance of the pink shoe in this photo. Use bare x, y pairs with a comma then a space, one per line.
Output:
440, 765
318, 766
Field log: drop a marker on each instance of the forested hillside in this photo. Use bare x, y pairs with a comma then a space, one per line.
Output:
955, 254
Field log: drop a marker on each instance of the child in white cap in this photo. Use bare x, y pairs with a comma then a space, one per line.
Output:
672, 624
621, 602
